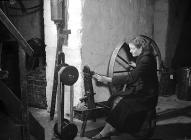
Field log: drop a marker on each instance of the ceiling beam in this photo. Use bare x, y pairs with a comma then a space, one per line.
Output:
13, 30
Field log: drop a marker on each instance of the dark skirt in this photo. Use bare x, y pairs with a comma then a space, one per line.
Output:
128, 115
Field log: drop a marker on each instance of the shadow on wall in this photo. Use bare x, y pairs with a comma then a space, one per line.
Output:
178, 36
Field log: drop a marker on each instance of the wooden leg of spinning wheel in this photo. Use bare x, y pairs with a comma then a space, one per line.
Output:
83, 127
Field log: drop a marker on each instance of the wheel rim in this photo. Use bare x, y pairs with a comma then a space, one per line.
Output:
120, 58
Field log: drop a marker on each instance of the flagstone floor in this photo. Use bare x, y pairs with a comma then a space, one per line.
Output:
170, 111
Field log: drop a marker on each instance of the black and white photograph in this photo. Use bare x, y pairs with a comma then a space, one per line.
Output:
95, 70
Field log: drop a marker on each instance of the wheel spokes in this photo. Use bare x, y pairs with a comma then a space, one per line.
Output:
124, 66
122, 59
120, 71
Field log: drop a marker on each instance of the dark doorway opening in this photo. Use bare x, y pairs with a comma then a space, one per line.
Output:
10, 62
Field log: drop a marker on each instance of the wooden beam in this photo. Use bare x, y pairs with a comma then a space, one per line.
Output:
8, 24
12, 104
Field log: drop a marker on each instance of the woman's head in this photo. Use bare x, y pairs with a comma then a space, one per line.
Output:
134, 50
139, 45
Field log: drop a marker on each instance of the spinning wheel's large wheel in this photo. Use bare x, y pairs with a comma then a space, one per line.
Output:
120, 59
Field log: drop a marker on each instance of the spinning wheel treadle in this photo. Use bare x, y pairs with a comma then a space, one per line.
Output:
121, 58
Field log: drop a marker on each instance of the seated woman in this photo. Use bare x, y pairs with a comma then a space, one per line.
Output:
130, 106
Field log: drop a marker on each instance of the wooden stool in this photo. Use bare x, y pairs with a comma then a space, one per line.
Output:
89, 114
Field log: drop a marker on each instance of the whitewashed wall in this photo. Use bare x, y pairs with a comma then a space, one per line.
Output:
97, 26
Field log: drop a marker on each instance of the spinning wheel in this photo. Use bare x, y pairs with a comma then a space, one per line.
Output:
120, 62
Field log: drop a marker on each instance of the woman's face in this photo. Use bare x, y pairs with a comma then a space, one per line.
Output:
134, 51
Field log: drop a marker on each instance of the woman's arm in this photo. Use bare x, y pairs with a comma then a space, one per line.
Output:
143, 66
102, 78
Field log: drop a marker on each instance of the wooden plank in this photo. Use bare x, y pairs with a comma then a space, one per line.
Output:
13, 30
62, 36
71, 102
60, 41
12, 104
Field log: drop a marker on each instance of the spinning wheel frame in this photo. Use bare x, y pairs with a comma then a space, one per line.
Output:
115, 55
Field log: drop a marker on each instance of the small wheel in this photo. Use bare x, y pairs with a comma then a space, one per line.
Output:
121, 58
68, 130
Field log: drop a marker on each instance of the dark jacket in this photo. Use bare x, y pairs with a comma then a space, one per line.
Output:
142, 81
140, 96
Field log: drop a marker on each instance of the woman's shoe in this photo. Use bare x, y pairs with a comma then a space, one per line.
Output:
100, 137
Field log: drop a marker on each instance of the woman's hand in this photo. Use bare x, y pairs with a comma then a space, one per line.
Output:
102, 78
132, 64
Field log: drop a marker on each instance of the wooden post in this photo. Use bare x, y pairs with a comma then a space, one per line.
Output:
55, 80
61, 39
71, 102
